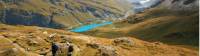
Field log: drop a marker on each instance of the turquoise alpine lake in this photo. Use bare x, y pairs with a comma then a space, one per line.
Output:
86, 28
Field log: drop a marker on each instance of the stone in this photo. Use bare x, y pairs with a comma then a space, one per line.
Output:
123, 41
45, 32
52, 35
107, 51
65, 39
93, 45
43, 52
32, 42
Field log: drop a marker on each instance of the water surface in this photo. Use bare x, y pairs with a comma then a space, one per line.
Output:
86, 28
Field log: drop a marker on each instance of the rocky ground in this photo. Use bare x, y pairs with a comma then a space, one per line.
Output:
36, 41
168, 29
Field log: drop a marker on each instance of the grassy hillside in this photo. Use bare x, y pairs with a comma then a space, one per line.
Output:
60, 13
35, 41
163, 25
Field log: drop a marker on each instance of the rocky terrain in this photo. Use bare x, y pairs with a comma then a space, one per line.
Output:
186, 5
36, 41
167, 28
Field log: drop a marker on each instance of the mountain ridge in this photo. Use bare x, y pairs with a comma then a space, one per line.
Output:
60, 13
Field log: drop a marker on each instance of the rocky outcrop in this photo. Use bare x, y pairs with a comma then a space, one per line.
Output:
123, 41
23, 17
103, 50
33, 41
181, 4
176, 5
107, 51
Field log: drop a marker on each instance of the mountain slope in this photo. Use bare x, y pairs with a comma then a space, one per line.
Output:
162, 23
186, 5
60, 13
35, 41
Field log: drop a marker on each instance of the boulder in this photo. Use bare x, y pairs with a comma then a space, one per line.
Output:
107, 51
123, 41
93, 45
32, 42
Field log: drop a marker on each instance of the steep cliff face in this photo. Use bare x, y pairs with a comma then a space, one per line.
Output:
60, 13
141, 5
181, 4
177, 5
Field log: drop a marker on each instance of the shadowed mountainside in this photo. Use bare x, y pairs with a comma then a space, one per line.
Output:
60, 13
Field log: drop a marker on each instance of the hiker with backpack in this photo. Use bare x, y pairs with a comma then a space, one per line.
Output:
54, 49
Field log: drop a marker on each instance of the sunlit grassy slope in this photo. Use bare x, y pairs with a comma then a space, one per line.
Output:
18, 40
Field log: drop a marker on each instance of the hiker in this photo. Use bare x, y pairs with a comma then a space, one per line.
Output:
70, 49
54, 48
